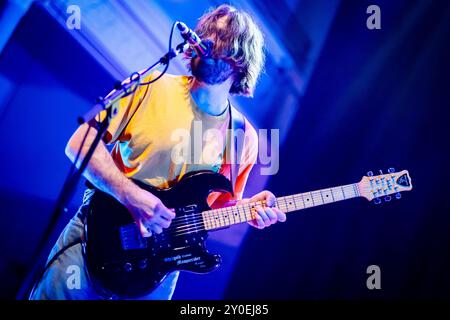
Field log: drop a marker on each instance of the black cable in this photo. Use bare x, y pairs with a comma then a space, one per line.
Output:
137, 79
165, 60
50, 262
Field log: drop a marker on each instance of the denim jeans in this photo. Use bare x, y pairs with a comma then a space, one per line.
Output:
58, 282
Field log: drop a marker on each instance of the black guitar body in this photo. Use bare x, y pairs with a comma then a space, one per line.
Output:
124, 264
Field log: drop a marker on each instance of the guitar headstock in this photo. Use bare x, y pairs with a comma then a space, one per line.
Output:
384, 185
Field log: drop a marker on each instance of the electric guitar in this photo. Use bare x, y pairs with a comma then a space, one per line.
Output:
124, 264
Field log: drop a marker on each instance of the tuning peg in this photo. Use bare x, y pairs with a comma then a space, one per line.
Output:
387, 198
391, 170
377, 200
369, 173
398, 195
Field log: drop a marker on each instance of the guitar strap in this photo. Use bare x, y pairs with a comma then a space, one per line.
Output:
234, 151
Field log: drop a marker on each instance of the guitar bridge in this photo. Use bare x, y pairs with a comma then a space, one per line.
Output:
131, 238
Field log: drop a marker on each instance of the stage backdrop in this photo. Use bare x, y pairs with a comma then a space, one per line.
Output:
377, 99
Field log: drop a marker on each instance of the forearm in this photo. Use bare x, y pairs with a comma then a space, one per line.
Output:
101, 170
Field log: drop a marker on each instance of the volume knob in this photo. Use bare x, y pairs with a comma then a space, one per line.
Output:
128, 267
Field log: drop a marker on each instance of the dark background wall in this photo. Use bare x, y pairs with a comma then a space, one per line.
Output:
42, 95
376, 99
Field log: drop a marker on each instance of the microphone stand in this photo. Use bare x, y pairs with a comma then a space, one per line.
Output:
108, 104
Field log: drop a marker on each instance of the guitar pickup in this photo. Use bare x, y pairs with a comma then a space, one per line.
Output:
189, 209
131, 238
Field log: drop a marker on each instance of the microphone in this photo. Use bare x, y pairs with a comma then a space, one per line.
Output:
203, 48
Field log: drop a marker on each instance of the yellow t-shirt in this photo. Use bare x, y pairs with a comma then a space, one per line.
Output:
160, 134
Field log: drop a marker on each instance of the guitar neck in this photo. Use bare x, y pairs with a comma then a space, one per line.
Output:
224, 217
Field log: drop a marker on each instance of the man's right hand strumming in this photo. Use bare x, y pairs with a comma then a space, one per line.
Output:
147, 210
150, 214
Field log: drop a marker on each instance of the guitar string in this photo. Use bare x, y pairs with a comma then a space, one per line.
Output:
234, 211
237, 207
356, 190
248, 205
198, 221
195, 229
180, 222
199, 224
223, 220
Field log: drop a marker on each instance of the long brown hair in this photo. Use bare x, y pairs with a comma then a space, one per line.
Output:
239, 40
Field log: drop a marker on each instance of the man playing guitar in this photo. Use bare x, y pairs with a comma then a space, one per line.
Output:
142, 138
